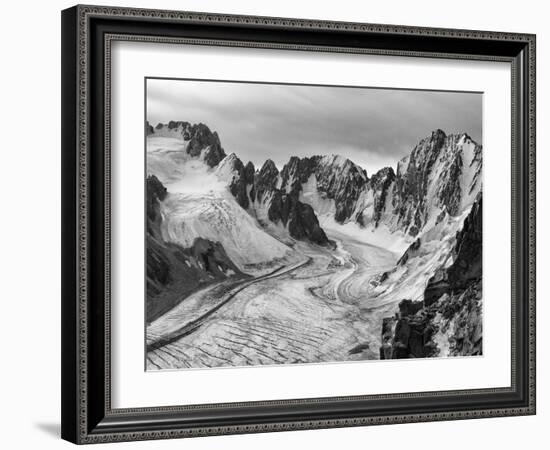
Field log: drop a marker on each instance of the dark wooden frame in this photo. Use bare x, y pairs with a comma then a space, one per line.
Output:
87, 32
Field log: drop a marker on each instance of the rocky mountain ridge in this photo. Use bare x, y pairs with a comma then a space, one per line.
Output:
199, 139
440, 178
448, 320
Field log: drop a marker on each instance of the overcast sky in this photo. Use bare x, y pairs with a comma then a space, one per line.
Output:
372, 127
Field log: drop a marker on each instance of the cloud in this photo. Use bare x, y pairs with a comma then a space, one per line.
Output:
372, 127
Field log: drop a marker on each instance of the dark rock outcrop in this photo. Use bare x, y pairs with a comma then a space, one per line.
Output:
299, 217
249, 186
177, 123
156, 193
338, 179
199, 138
284, 205
451, 305
238, 184
213, 257
174, 272
409, 334
467, 254
410, 252
265, 181
413, 176
380, 183
295, 172
477, 163
149, 129
436, 161
344, 185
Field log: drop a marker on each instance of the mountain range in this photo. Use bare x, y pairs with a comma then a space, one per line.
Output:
240, 220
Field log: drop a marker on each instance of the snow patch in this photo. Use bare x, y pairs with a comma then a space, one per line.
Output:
319, 202
381, 236
216, 216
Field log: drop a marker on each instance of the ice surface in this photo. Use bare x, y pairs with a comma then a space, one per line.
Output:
215, 215
315, 311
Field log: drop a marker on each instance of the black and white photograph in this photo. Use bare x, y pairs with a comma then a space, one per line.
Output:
292, 224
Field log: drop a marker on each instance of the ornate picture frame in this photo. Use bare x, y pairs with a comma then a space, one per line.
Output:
88, 33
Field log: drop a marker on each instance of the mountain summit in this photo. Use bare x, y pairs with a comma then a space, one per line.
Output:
440, 177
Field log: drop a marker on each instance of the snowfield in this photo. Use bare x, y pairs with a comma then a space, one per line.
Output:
218, 217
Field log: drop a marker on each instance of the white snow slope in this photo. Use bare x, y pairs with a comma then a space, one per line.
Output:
199, 204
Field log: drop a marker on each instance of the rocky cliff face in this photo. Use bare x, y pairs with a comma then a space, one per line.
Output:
281, 193
259, 190
467, 259
283, 204
380, 183
335, 178
440, 177
449, 319
434, 162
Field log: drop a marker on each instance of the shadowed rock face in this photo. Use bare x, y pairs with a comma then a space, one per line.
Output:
299, 217
213, 257
238, 184
413, 248
199, 138
343, 183
265, 181
156, 193
158, 266
451, 306
284, 205
408, 335
380, 183
337, 178
413, 176
296, 172
436, 163
248, 173
467, 253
